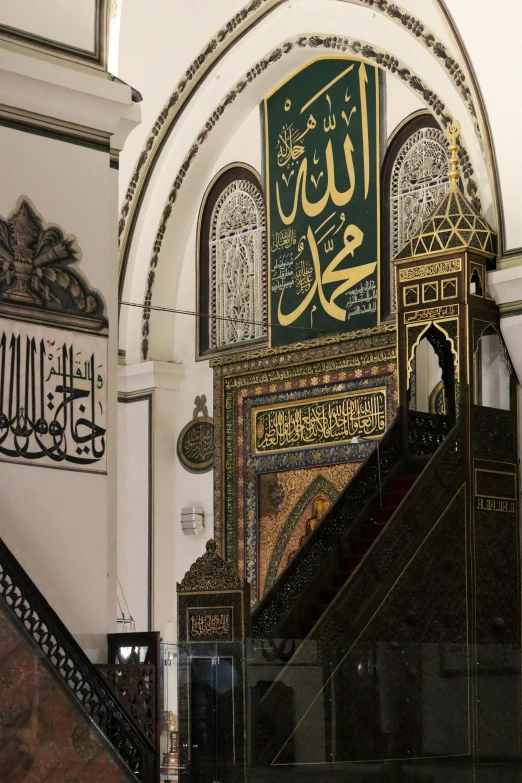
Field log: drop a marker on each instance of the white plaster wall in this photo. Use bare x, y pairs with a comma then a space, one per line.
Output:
170, 35
60, 524
306, 16
133, 511
66, 21
400, 103
491, 34
158, 41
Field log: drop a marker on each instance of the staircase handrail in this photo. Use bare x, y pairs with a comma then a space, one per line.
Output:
298, 574
429, 493
339, 626
40, 624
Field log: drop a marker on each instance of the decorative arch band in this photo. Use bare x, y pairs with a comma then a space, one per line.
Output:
337, 45
241, 23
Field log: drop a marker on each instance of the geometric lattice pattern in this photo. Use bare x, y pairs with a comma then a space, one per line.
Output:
454, 225
237, 277
419, 182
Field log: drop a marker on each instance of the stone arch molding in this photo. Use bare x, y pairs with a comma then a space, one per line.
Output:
322, 45
457, 68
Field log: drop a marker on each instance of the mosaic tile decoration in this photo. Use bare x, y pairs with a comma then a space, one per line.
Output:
285, 505
353, 365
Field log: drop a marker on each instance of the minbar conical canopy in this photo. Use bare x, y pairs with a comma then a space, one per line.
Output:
455, 224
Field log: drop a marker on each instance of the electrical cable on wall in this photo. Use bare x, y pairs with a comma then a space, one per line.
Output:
124, 620
320, 332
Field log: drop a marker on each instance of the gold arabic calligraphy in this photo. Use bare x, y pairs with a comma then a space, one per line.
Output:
198, 442
209, 625
333, 419
298, 196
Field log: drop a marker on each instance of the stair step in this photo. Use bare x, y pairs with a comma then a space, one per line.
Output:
395, 498
403, 481
372, 529
384, 513
342, 576
316, 612
329, 593
364, 545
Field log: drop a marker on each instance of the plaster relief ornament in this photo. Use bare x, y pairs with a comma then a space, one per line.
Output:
53, 349
39, 277
195, 447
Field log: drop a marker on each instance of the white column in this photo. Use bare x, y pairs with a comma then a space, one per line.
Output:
154, 384
506, 287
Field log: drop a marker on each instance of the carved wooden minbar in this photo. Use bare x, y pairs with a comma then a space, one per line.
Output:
441, 279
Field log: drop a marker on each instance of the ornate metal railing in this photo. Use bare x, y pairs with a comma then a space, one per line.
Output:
350, 611
41, 625
426, 431
135, 687
424, 503
303, 569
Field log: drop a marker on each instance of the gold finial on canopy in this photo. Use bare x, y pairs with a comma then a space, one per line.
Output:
453, 132
454, 224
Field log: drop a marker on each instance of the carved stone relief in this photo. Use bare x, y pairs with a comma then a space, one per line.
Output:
39, 278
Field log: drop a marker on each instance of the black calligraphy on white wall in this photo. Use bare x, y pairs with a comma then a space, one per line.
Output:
53, 397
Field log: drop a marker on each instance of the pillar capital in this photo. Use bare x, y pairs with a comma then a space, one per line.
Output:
149, 375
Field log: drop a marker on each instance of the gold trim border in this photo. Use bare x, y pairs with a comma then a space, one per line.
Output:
307, 401
443, 283
376, 69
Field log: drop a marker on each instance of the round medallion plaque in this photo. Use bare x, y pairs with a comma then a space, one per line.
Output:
196, 445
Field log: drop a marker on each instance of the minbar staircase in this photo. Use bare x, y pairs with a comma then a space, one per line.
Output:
59, 719
353, 552
330, 593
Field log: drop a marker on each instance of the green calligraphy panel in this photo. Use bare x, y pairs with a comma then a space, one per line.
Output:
322, 163
319, 421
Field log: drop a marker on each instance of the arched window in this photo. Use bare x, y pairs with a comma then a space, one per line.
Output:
432, 383
492, 376
414, 182
232, 263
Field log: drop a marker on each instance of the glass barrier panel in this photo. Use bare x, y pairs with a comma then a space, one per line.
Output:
293, 710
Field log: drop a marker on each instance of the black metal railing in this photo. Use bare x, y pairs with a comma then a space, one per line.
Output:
426, 431
339, 626
41, 625
413, 518
303, 569
135, 687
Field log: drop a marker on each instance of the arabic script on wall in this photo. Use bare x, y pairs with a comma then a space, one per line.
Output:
205, 624
53, 397
319, 421
323, 161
